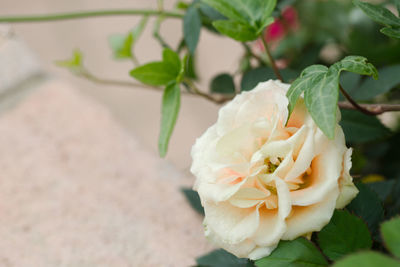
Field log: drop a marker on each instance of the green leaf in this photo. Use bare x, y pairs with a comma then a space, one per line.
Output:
221, 258
296, 253
171, 58
161, 72
193, 199
236, 30
250, 16
191, 28
74, 64
383, 189
228, 9
367, 259
368, 206
155, 73
169, 113
321, 99
302, 83
251, 78
389, 77
397, 3
378, 13
122, 44
223, 84
358, 65
391, 235
344, 234
360, 128
391, 32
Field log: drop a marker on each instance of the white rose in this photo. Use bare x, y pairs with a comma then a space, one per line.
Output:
261, 181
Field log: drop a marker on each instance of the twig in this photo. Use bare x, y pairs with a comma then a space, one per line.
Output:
374, 109
88, 14
271, 59
251, 53
355, 104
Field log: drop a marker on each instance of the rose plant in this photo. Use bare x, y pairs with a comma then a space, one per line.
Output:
263, 177
273, 173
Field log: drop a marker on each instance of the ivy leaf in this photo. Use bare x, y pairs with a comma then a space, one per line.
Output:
191, 28
367, 259
223, 84
299, 252
122, 44
321, 101
360, 128
368, 206
236, 30
391, 32
391, 235
358, 65
74, 64
344, 234
193, 199
378, 13
160, 72
302, 83
321, 90
169, 112
222, 258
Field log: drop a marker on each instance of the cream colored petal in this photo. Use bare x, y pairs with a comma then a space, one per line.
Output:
248, 197
218, 192
272, 222
348, 191
233, 225
240, 250
326, 170
303, 159
261, 252
303, 220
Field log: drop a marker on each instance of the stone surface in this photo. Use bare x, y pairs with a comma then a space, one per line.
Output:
77, 190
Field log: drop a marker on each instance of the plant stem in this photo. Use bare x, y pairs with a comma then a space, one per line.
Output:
374, 109
88, 14
271, 59
354, 103
251, 53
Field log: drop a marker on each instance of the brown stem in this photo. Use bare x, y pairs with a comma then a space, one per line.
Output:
271, 59
209, 97
354, 103
373, 109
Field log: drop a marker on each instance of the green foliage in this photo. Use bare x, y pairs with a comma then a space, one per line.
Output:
171, 102
344, 234
194, 200
160, 72
382, 16
223, 84
360, 128
388, 78
246, 19
297, 253
368, 206
391, 235
122, 44
261, 74
221, 258
367, 259
321, 89
383, 189
74, 64
191, 28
